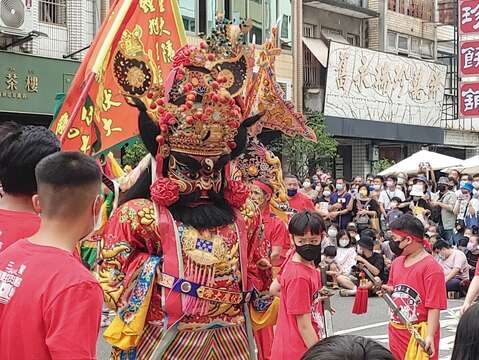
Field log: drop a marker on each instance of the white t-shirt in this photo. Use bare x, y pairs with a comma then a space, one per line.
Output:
386, 196
463, 210
346, 259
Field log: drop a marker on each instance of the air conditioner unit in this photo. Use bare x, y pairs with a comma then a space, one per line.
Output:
16, 17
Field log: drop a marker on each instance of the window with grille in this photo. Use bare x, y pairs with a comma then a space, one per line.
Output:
53, 11
308, 30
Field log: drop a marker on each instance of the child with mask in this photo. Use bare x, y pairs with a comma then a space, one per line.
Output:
345, 260
323, 201
332, 268
459, 229
331, 238
300, 320
417, 286
394, 211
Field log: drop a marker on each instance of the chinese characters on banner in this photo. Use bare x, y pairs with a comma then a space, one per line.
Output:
369, 85
141, 56
468, 57
469, 106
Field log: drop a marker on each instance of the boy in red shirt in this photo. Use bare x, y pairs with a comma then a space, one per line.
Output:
50, 304
300, 320
417, 286
21, 148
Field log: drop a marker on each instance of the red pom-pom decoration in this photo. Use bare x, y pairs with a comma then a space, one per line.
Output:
165, 192
236, 193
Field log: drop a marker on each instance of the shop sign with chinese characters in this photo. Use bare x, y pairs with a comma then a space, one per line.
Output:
468, 16
28, 84
369, 85
19, 88
469, 106
469, 58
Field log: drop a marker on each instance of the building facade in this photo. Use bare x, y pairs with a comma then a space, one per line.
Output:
384, 73
41, 45
43, 42
198, 17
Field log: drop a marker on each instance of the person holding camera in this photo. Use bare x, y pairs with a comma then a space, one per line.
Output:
445, 204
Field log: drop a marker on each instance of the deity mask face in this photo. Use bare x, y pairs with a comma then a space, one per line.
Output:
197, 173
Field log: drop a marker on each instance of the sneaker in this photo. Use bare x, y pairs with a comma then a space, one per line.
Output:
347, 292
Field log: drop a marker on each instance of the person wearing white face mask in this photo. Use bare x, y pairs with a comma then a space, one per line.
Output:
342, 204
323, 201
390, 191
331, 239
308, 190
345, 259
63, 299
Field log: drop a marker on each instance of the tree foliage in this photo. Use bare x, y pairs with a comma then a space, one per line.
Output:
134, 153
382, 164
301, 156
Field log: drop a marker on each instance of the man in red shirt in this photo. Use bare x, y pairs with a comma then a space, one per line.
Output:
417, 286
50, 304
276, 238
300, 320
297, 201
21, 148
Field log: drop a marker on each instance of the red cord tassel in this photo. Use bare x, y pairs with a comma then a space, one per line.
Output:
361, 301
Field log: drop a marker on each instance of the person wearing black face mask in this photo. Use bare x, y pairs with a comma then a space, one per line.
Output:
297, 201
417, 286
300, 320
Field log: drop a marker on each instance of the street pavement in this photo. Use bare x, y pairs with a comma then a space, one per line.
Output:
372, 325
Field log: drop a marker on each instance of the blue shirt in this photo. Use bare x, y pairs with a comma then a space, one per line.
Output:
344, 199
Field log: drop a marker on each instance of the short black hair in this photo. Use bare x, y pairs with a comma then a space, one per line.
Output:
347, 347
379, 177
290, 176
330, 251
396, 199
392, 177
463, 241
306, 221
366, 186
466, 345
441, 244
21, 149
64, 181
369, 232
410, 224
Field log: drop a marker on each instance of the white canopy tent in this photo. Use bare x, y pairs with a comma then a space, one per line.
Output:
469, 166
411, 164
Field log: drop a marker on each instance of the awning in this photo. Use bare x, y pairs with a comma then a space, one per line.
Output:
318, 48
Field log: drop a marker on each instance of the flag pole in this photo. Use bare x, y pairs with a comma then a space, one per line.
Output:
105, 48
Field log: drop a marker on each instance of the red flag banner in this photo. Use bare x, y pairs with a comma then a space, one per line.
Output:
133, 49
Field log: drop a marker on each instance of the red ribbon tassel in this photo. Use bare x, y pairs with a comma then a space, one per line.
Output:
361, 300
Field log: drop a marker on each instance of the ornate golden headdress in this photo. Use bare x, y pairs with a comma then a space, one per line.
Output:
199, 105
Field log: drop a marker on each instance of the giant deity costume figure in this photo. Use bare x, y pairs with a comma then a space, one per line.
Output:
179, 269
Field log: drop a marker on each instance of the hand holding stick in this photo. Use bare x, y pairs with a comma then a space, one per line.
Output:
395, 309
